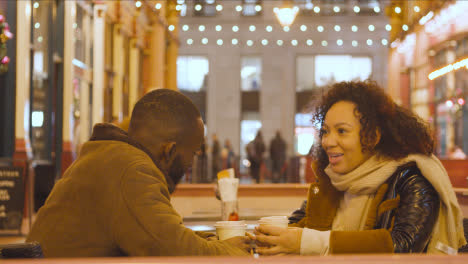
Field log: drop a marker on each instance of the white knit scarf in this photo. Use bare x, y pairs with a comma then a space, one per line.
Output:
364, 181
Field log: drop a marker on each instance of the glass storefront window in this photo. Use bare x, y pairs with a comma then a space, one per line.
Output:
251, 7
336, 68
304, 77
82, 72
204, 8
304, 135
192, 73
40, 93
251, 72
250, 125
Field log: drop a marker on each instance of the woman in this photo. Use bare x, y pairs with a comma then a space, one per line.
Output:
380, 189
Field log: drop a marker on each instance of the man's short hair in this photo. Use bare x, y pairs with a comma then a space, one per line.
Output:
164, 110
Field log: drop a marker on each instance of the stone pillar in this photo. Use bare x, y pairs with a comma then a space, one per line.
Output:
156, 61
98, 63
172, 49
224, 97
69, 51
133, 74
277, 96
23, 61
118, 54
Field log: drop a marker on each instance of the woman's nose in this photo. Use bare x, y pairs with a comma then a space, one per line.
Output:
328, 141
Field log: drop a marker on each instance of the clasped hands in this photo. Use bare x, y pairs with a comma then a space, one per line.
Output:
272, 240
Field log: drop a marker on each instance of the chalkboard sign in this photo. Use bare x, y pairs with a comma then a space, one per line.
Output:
11, 198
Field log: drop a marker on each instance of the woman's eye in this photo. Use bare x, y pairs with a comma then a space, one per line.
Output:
341, 131
323, 131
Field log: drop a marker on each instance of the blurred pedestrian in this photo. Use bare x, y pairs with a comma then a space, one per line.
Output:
228, 156
277, 156
215, 157
255, 150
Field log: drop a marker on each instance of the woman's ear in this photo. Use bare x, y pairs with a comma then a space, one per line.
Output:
378, 135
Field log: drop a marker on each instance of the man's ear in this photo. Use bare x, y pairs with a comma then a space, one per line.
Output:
169, 151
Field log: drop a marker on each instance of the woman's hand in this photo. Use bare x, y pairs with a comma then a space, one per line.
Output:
278, 240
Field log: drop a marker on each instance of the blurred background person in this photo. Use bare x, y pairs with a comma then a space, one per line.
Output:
215, 157
278, 157
255, 150
200, 166
228, 156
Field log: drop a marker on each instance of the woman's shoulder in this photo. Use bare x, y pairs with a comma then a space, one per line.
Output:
408, 175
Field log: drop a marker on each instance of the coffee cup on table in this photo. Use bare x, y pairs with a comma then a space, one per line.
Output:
228, 229
278, 221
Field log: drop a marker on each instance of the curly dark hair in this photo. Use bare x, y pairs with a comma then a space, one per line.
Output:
402, 132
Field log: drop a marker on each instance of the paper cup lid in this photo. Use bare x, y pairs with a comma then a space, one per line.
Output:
230, 223
275, 217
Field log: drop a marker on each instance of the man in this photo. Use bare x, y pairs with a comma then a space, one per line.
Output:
215, 158
277, 156
114, 199
255, 151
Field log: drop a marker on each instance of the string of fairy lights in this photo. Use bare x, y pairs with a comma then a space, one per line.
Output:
280, 42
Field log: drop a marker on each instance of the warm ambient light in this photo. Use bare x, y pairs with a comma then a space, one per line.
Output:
449, 68
426, 18
286, 15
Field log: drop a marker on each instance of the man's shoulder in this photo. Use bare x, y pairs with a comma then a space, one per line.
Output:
114, 155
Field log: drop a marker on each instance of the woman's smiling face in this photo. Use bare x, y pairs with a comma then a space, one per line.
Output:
341, 138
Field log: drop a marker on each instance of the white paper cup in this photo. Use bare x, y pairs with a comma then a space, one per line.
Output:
228, 229
279, 221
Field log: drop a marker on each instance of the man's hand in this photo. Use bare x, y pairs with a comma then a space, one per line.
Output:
278, 241
242, 242
212, 238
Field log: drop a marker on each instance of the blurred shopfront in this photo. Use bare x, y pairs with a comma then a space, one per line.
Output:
428, 73
73, 64
428, 50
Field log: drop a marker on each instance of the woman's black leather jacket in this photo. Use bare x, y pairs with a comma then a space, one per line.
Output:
415, 216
